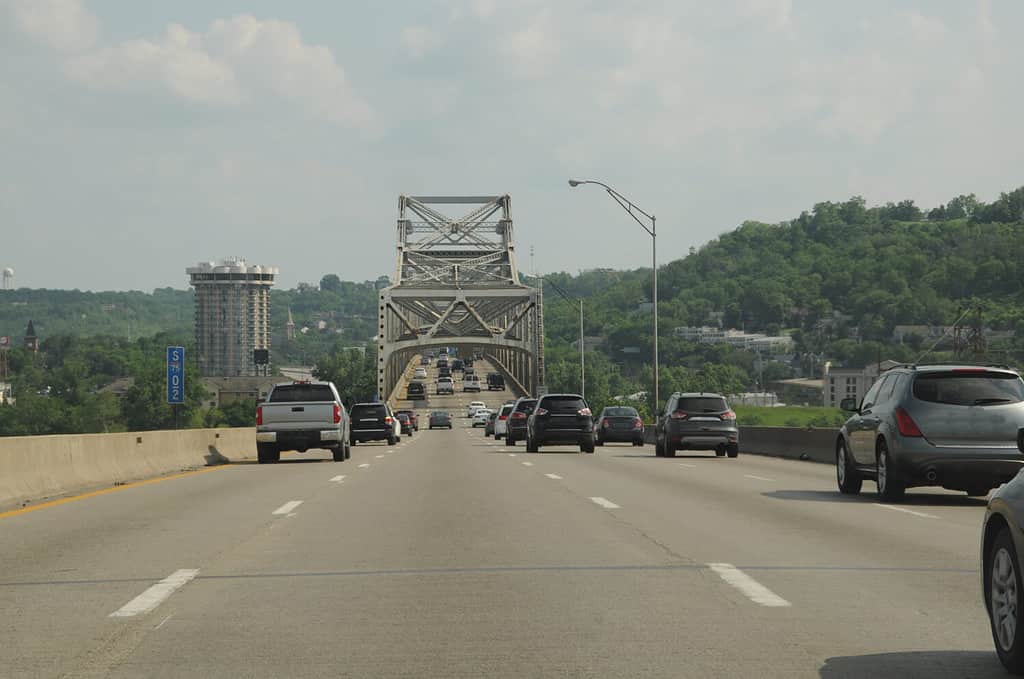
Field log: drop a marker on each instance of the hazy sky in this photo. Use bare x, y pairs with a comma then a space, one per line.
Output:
139, 137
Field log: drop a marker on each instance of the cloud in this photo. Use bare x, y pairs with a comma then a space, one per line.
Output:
238, 61
419, 41
925, 28
531, 51
60, 24
775, 14
176, 63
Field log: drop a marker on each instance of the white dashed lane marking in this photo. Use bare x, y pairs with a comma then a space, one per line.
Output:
556, 477
157, 594
907, 511
364, 465
287, 507
338, 479
759, 478
602, 502
750, 587
684, 464
527, 464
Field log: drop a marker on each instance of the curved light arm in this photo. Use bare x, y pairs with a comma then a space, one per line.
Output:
626, 203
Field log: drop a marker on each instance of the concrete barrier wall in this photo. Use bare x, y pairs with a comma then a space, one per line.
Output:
815, 445
34, 468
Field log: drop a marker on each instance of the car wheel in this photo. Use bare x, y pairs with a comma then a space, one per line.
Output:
348, 452
392, 440
338, 452
449, 426
732, 450
638, 443
598, 441
890, 488
587, 446
1002, 596
510, 442
659, 448
846, 476
720, 452
670, 449
266, 453
531, 445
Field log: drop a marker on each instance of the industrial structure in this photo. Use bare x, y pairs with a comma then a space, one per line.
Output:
8, 279
232, 317
457, 285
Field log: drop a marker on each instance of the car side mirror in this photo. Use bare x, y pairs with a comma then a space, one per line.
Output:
849, 405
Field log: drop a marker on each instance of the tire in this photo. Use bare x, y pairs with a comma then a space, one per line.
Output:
670, 449
338, 452
638, 444
392, 440
659, 448
510, 442
266, 453
348, 452
847, 478
531, 445
588, 447
732, 450
598, 442
449, 426
1003, 589
890, 487
980, 491
719, 452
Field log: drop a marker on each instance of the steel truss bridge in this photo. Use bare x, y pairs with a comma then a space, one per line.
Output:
456, 284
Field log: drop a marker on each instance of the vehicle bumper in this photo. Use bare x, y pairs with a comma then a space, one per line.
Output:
517, 432
624, 435
371, 434
300, 438
703, 438
566, 436
922, 464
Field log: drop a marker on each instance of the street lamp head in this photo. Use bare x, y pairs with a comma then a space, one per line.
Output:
573, 182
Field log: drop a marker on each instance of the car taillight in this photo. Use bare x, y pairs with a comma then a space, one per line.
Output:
387, 420
605, 424
728, 415
679, 415
638, 423
259, 415
542, 411
906, 424
337, 414
502, 417
518, 416
584, 411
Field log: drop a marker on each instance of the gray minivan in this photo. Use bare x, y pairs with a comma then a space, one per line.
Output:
953, 426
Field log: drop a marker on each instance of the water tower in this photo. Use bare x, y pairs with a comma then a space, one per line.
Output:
8, 278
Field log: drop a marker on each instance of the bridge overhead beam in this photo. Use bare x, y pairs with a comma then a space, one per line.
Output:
457, 284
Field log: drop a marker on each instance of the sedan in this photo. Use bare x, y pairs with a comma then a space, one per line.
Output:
406, 423
1002, 543
440, 419
480, 417
489, 427
473, 407
619, 423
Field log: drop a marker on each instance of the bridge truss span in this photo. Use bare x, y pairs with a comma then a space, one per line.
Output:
456, 284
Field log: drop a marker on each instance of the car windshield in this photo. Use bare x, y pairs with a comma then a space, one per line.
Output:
742, 281
701, 404
620, 412
969, 388
301, 392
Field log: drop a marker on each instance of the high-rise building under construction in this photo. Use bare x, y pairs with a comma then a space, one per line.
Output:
232, 317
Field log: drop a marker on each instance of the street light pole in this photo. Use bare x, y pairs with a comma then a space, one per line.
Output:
632, 209
583, 348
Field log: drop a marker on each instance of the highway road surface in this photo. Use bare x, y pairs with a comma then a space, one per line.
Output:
451, 555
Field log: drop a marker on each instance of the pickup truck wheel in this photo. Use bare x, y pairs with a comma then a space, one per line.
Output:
266, 453
338, 452
348, 451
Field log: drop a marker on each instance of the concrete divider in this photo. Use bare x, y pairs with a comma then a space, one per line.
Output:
812, 444
35, 468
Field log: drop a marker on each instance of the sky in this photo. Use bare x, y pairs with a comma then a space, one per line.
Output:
140, 137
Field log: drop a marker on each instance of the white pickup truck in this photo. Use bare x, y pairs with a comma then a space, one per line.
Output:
300, 416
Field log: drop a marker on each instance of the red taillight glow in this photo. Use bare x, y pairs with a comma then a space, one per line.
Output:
728, 415
605, 423
387, 420
906, 424
679, 415
337, 414
638, 423
502, 417
542, 411
518, 416
259, 415
584, 411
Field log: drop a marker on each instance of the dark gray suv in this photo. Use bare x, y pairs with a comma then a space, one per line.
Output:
953, 426
696, 421
560, 418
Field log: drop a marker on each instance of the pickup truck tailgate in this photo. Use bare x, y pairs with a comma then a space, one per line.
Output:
298, 415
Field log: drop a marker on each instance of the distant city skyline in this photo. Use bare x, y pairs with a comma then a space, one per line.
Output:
141, 136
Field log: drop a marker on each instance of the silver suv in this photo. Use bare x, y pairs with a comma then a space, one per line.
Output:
953, 426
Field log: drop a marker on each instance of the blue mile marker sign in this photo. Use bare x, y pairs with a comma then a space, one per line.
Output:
175, 375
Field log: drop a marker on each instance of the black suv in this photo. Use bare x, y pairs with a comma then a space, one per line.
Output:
372, 422
560, 418
696, 421
495, 382
521, 410
416, 391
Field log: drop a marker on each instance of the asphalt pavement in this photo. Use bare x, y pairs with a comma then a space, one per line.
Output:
453, 555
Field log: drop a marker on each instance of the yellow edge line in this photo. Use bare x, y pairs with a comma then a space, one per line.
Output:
104, 491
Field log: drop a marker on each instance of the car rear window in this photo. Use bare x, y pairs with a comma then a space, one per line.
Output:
369, 410
620, 411
975, 388
564, 404
291, 393
526, 406
702, 404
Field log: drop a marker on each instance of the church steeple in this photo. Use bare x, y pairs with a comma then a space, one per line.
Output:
31, 340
